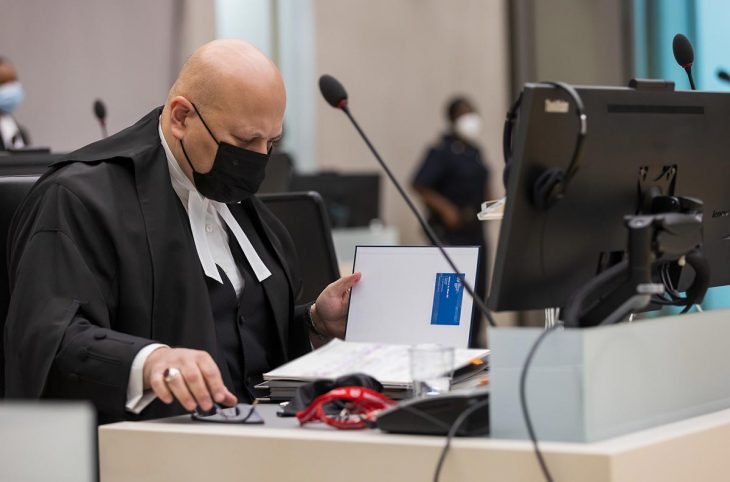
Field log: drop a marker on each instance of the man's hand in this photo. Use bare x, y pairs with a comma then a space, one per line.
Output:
197, 385
330, 309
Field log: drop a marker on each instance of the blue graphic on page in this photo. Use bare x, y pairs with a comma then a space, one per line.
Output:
447, 299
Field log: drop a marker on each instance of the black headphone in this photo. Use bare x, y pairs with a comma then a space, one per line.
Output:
551, 185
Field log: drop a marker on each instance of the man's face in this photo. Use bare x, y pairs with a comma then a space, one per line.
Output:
252, 124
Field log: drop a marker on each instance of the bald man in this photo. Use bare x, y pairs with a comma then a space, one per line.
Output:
145, 275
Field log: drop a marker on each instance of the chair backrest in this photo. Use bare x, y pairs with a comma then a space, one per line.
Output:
304, 216
26, 163
13, 190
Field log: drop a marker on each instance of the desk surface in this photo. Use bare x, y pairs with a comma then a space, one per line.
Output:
180, 449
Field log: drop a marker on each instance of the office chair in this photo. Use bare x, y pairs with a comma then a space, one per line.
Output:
13, 189
304, 216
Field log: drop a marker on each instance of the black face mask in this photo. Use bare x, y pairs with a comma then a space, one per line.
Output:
236, 175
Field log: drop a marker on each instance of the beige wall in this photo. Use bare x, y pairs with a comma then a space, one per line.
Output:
195, 26
584, 42
580, 41
70, 52
400, 60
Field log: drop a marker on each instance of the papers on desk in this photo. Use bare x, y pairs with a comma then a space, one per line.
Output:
389, 364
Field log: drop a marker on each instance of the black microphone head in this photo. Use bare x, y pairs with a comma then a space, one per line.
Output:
333, 92
723, 75
99, 110
684, 54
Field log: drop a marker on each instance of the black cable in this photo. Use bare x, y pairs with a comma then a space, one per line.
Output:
676, 298
523, 400
669, 285
452, 431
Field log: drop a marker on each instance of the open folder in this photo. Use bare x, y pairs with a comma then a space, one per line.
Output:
410, 295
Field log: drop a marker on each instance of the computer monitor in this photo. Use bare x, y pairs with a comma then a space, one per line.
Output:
677, 142
352, 199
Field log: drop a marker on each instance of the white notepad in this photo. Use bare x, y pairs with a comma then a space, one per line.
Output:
410, 295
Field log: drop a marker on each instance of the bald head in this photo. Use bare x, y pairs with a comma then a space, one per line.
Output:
227, 70
240, 95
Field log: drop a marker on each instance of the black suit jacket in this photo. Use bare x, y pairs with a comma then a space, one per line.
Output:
102, 263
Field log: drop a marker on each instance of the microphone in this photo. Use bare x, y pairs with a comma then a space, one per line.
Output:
684, 54
336, 96
333, 92
100, 114
723, 75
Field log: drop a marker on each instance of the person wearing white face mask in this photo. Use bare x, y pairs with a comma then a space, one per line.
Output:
452, 181
12, 136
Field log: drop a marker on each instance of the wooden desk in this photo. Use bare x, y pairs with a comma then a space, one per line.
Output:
179, 449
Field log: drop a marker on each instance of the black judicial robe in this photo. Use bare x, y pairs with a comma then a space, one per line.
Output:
101, 263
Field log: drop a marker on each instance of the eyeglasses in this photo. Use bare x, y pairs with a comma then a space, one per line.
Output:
240, 413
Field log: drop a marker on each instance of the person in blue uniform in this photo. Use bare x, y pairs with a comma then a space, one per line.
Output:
452, 181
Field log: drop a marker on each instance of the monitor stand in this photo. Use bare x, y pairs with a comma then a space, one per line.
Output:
655, 240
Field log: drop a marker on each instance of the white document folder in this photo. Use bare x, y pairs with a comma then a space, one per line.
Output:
410, 295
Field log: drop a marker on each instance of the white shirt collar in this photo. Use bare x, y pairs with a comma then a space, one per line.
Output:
180, 182
8, 131
197, 207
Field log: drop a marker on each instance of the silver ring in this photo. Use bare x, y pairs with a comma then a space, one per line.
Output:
170, 374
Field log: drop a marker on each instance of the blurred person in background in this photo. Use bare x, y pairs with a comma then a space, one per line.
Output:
452, 181
12, 136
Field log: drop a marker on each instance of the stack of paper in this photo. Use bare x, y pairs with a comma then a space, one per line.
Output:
389, 364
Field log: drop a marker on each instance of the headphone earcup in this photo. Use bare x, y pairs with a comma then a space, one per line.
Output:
544, 191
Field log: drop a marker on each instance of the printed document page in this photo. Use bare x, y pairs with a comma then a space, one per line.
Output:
389, 364
410, 295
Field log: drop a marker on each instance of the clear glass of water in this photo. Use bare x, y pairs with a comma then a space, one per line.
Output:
432, 367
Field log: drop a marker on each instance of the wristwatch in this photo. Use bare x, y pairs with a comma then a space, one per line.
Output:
311, 324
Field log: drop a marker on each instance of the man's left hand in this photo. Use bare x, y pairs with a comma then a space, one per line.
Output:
330, 309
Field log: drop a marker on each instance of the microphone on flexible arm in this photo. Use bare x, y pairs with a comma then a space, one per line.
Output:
336, 96
723, 75
100, 114
684, 54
